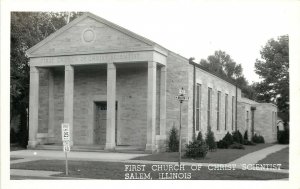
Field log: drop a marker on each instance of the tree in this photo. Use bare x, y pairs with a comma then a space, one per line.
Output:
273, 69
27, 29
223, 65
210, 140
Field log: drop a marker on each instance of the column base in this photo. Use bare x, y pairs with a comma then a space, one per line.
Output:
32, 144
151, 148
110, 146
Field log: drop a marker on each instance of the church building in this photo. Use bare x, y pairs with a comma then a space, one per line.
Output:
117, 91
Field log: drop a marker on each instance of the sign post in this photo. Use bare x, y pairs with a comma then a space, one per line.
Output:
65, 133
181, 97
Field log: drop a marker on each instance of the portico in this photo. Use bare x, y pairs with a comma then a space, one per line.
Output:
154, 67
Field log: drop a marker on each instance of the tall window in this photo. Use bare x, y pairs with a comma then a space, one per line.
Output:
209, 106
247, 120
198, 105
226, 110
218, 110
273, 121
232, 112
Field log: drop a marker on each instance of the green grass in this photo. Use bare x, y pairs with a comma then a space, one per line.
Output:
281, 157
219, 156
114, 170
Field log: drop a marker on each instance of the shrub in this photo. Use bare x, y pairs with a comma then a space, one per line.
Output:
13, 136
210, 140
228, 138
258, 139
199, 137
196, 149
236, 145
246, 135
225, 142
247, 142
222, 144
283, 136
173, 143
237, 137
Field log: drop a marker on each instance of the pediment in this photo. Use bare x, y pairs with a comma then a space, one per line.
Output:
89, 34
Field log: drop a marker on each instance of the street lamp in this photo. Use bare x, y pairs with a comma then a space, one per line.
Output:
181, 97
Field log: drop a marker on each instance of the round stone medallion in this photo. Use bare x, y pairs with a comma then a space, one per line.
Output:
88, 35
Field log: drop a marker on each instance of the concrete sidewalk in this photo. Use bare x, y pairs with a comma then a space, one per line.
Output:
256, 156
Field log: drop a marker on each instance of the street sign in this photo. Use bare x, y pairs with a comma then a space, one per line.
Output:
65, 134
66, 148
182, 98
65, 131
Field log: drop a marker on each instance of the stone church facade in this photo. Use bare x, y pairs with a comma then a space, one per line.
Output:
117, 90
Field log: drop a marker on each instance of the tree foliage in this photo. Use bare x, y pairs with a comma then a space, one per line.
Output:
223, 65
273, 69
27, 29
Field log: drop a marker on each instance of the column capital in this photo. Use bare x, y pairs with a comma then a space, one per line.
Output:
111, 65
69, 68
163, 68
34, 69
152, 64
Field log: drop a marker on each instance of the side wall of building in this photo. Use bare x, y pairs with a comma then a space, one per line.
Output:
265, 121
207, 80
177, 77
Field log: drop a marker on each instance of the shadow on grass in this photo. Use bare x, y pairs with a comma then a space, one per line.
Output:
218, 156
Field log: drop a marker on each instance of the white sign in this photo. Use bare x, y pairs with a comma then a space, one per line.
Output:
67, 147
65, 131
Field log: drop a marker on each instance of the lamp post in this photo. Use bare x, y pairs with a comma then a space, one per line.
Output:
181, 97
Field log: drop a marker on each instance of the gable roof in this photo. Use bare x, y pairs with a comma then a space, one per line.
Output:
99, 19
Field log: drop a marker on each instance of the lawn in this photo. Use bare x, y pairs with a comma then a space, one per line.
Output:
13, 158
281, 156
115, 170
219, 156
15, 147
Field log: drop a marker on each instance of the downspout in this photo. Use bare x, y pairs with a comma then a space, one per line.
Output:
194, 94
236, 96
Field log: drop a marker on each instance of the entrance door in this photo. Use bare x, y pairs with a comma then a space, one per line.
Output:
100, 123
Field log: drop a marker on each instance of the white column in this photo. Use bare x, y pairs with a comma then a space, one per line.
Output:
33, 106
111, 107
151, 108
68, 99
163, 99
51, 106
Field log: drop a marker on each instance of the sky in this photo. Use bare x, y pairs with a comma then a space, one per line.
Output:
198, 28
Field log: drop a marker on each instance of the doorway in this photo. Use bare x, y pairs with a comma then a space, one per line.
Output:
100, 123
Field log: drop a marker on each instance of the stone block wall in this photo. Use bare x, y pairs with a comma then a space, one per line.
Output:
43, 100
177, 77
208, 80
89, 87
265, 121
